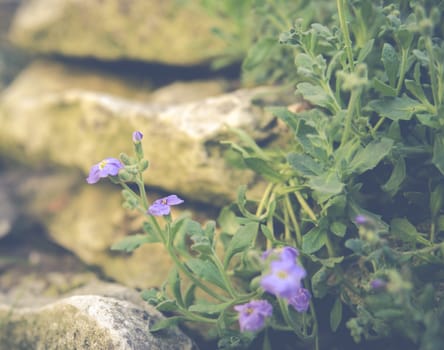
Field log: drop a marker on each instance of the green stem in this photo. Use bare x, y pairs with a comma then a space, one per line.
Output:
294, 221
198, 283
343, 24
349, 117
402, 70
433, 73
222, 272
315, 324
305, 206
264, 199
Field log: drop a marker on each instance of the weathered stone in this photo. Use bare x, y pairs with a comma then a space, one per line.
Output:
77, 125
8, 211
173, 32
87, 322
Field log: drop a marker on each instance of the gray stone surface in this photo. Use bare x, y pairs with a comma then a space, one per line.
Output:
79, 118
168, 31
88, 321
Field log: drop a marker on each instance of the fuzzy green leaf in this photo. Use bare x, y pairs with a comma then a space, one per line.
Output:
390, 60
206, 270
383, 88
263, 168
304, 164
397, 108
315, 95
326, 186
396, 178
314, 240
207, 308
130, 243
338, 228
166, 323
336, 315
438, 152
370, 156
242, 239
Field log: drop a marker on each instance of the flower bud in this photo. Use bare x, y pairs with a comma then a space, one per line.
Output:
137, 136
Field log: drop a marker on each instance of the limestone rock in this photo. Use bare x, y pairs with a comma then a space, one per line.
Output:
87, 322
77, 125
168, 31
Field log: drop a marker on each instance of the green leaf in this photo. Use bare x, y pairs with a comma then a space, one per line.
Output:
383, 88
315, 95
415, 89
438, 152
130, 243
338, 228
390, 59
207, 308
174, 283
166, 323
259, 52
364, 52
263, 168
370, 156
329, 262
326, 186
206, 270
336, 315
397, 108
319, 282
286, 116
314, 240
167, 306
396, 178
304, 164
406, 232
242, 239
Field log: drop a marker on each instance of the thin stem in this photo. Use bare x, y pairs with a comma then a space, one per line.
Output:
264, 199
349, 117
343, 24
402, 70
433, 73
305, 206
222, 272
294, 221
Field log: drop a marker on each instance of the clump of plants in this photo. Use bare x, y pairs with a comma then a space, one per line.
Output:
348, 234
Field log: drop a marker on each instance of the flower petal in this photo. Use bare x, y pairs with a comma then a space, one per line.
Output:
159, 209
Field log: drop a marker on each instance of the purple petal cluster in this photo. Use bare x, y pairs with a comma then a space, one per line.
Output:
137, 136
107, 167
252, 315
283, 278
300, 300
163, 205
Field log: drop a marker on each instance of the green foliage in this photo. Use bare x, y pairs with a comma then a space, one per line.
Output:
358, 190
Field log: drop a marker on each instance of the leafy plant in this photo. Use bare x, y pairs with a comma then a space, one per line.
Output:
350, 226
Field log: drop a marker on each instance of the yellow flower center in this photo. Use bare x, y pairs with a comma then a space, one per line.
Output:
282, 274
102, 164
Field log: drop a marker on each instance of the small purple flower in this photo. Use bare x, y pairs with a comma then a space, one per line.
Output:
378, 284
252, 315
107, 167
284, 278
284, 253
361, 220
137, 136
162, 206
300, 300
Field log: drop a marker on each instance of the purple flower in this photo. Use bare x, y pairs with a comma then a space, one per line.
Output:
252, 315
285, 253
137, 136
107, 167
378, 284
300, 300
162, 206
361, 220
284, 278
